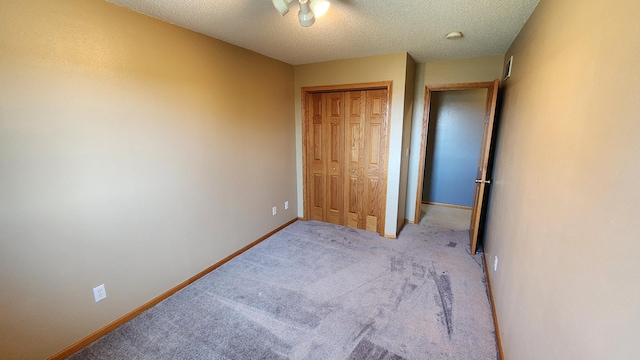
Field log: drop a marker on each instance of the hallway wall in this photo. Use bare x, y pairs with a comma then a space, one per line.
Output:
565, 204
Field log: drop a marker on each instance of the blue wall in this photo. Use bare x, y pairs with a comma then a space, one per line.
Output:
453, 146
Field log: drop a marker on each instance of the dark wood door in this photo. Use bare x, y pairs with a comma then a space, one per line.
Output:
482, 180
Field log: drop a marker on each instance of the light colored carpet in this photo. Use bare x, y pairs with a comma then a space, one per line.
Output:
320, 291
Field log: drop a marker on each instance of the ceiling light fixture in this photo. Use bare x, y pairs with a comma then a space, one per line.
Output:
282, 6
320, 7
309, 9
305, 15
454, 35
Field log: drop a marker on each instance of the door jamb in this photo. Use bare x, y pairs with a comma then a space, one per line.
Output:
425, 128
388, 85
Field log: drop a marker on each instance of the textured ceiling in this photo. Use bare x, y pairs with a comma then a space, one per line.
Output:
351, 28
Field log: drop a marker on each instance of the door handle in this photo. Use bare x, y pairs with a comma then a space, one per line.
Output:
478, 181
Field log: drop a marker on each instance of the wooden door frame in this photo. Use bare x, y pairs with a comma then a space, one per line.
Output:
380, 85
425, 128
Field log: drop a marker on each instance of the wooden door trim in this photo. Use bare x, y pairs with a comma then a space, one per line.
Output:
425, 127
305, 91
460, 86
348, 87
383, 209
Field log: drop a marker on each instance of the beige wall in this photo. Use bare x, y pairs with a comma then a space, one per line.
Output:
487, 68
391, 67
132, 153
409, 98
565, 202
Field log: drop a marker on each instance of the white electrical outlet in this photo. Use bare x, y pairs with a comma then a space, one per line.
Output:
495, 264
286, 205
99, 293
274, 210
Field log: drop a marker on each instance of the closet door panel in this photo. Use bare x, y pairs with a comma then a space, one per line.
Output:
374, 157
333, 121
354, 182
315, 159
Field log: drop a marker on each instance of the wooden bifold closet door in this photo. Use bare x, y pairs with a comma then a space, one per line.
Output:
346, 153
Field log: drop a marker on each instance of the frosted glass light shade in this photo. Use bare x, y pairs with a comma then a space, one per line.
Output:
306, 15
320, 7
282, 6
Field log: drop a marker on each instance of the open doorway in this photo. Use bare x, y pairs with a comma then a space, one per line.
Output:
456, 145
454, 137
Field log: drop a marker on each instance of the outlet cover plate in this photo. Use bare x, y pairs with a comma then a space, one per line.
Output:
99, 293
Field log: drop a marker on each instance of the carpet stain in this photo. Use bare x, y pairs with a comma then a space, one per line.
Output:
452, 244
406, 290
419, 270
366, 350
370, 326
397, 264
444, 298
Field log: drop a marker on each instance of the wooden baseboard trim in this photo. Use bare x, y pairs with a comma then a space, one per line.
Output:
448, 205
493, 309
132, 314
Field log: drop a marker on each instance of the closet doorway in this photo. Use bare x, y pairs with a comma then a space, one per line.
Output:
455, 147
345, 147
